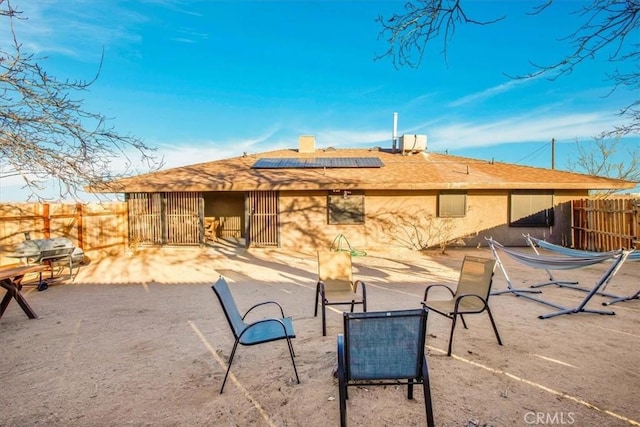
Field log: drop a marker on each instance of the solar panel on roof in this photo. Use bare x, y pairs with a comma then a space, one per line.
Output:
268, 163
318, 162
369, 162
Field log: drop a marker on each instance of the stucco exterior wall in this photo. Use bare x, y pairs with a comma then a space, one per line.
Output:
409, 219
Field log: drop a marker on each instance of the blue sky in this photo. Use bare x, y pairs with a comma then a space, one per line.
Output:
206, 80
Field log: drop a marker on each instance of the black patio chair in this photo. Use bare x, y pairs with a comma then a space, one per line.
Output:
383, 348
258, 332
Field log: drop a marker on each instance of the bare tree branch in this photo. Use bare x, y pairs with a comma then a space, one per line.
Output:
540, 8
601, 158
423, 21
608, 27
45, 134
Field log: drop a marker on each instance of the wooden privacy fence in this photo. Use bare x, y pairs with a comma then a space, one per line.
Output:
100, 229
606, 224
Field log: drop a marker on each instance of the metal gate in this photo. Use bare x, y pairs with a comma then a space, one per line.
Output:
263, 218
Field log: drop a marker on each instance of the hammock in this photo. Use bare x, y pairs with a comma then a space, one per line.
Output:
532, 241
560, 263
633, 256
556, 263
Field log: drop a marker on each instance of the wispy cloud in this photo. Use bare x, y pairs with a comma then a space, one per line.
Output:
82, 28
183, 153
537, 126
516, 129
490, 92
80, 31
179, 6
418, 101
348, 138
190, 37
183, 40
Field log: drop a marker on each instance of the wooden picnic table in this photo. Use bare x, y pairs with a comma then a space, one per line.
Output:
11, 280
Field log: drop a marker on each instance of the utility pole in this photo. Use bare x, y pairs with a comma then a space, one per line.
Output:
553, 153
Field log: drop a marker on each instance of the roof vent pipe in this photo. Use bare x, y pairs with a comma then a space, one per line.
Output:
394, 136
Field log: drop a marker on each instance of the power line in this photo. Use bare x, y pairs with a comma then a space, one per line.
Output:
531, 154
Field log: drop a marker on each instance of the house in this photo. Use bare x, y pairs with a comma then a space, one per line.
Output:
402, 196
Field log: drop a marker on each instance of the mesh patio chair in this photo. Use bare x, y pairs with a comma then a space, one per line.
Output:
383, 348
335, 284
258, 332
470, 297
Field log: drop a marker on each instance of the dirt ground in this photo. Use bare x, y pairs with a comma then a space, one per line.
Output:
141, 340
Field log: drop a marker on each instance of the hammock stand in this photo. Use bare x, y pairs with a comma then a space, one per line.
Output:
519, 292
561, 263
552, 280
533, 242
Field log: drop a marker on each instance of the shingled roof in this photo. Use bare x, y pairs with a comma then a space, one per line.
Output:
417, 171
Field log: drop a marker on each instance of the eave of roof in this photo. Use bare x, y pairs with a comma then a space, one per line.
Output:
422, 171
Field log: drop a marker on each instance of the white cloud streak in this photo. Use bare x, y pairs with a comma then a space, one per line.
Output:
79, 30
518, 129
348, 138
491, 92
533, 127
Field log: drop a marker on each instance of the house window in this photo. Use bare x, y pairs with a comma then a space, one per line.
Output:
531, 209
452, 204
345, 207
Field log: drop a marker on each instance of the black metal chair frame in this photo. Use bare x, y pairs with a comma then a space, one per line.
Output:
380, 370
258, 332
479, 302
345, 295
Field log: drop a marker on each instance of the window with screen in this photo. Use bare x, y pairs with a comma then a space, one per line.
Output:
531, 209
452, 204
345, 207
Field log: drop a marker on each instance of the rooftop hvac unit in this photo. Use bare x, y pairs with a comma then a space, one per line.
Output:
413, 143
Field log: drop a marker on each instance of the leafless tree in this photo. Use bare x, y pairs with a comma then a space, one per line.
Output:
602, 157
46, 135
608, 27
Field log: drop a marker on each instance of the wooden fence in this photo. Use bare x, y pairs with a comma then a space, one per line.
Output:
606, 224
100, 229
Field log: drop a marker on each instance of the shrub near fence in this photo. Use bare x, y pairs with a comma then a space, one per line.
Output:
606, 224
100, 229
